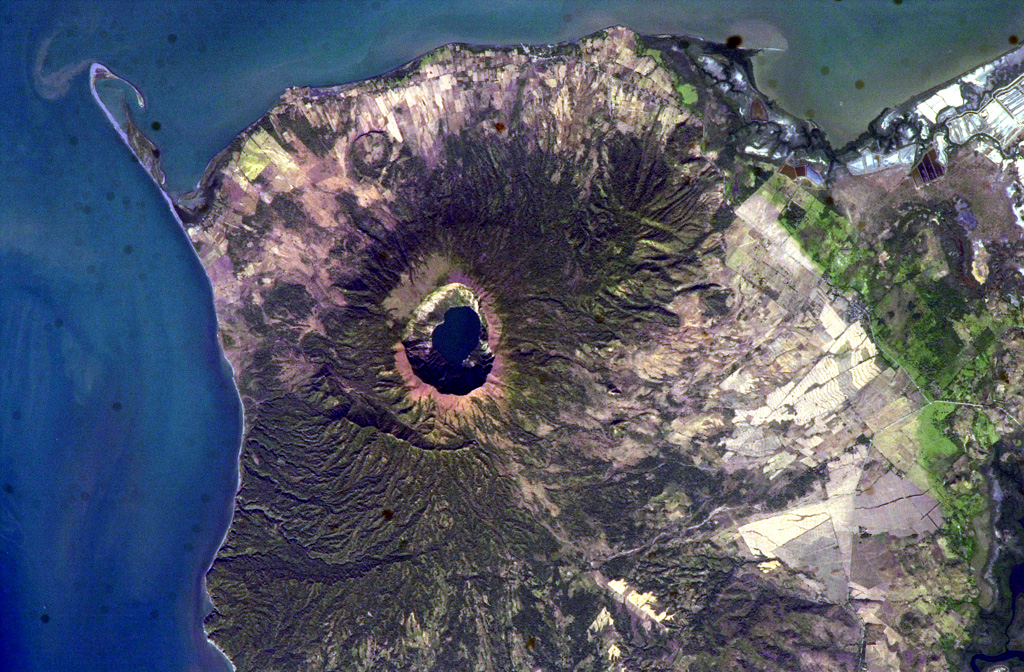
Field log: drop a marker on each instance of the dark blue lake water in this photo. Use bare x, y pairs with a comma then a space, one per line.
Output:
458, 334
119, 423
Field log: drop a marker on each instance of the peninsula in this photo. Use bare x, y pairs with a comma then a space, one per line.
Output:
590, 357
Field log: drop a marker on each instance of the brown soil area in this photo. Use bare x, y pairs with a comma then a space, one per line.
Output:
868, 200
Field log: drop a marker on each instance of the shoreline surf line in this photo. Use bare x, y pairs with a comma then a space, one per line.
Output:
204, 601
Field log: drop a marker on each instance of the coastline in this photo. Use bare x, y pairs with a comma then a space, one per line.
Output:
150, 162
201, 595
802, 86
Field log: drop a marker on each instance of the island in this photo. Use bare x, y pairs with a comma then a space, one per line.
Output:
591, 357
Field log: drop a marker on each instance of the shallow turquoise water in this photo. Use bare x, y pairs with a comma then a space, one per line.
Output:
211, 68
118, 421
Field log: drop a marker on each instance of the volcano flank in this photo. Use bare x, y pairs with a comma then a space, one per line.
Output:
503, 340
390, 286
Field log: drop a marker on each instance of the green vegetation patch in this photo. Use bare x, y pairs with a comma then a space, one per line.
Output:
827, 237
960, 513
686, 93
937, 450
923, 317
961, 501
983, 430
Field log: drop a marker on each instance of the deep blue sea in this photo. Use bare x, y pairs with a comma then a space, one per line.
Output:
119, 422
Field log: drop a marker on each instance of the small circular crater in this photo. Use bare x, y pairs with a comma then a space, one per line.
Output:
859, 84
370, 154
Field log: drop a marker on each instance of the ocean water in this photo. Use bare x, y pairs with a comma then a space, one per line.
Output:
118, 420
119, 423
